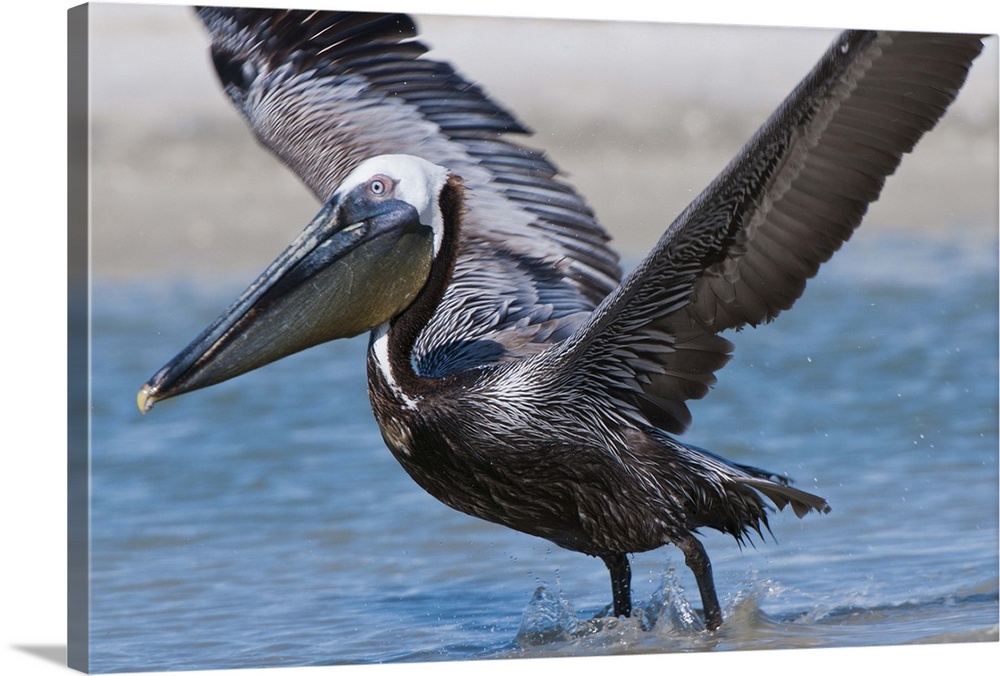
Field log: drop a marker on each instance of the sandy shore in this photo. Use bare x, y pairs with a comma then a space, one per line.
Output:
641, 116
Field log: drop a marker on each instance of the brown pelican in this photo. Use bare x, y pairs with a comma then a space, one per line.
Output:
512, 371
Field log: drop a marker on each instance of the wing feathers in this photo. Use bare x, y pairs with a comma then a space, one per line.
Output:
743, 251
906, 83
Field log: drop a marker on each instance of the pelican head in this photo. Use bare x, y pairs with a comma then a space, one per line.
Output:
361, 261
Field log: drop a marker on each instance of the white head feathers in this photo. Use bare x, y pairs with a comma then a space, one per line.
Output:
410, 179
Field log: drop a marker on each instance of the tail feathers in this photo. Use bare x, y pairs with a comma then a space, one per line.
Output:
782, 494
733, 500
773, 486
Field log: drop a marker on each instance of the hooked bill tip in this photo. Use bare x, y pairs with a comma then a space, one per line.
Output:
145, 399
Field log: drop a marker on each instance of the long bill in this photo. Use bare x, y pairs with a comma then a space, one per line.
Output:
342, 276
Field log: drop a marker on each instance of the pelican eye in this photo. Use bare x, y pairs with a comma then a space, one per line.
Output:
380, 186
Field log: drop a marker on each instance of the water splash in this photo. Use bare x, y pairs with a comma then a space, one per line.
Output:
668, 610
549, 625
548, 618
668, 622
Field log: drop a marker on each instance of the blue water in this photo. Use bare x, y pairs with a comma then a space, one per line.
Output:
262, 522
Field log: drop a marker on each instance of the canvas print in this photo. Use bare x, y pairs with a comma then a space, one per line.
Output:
422, 338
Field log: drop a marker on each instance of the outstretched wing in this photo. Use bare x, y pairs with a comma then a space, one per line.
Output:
744, 249
325, 90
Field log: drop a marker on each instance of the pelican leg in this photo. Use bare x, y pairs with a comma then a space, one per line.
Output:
621, 583
697, 560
